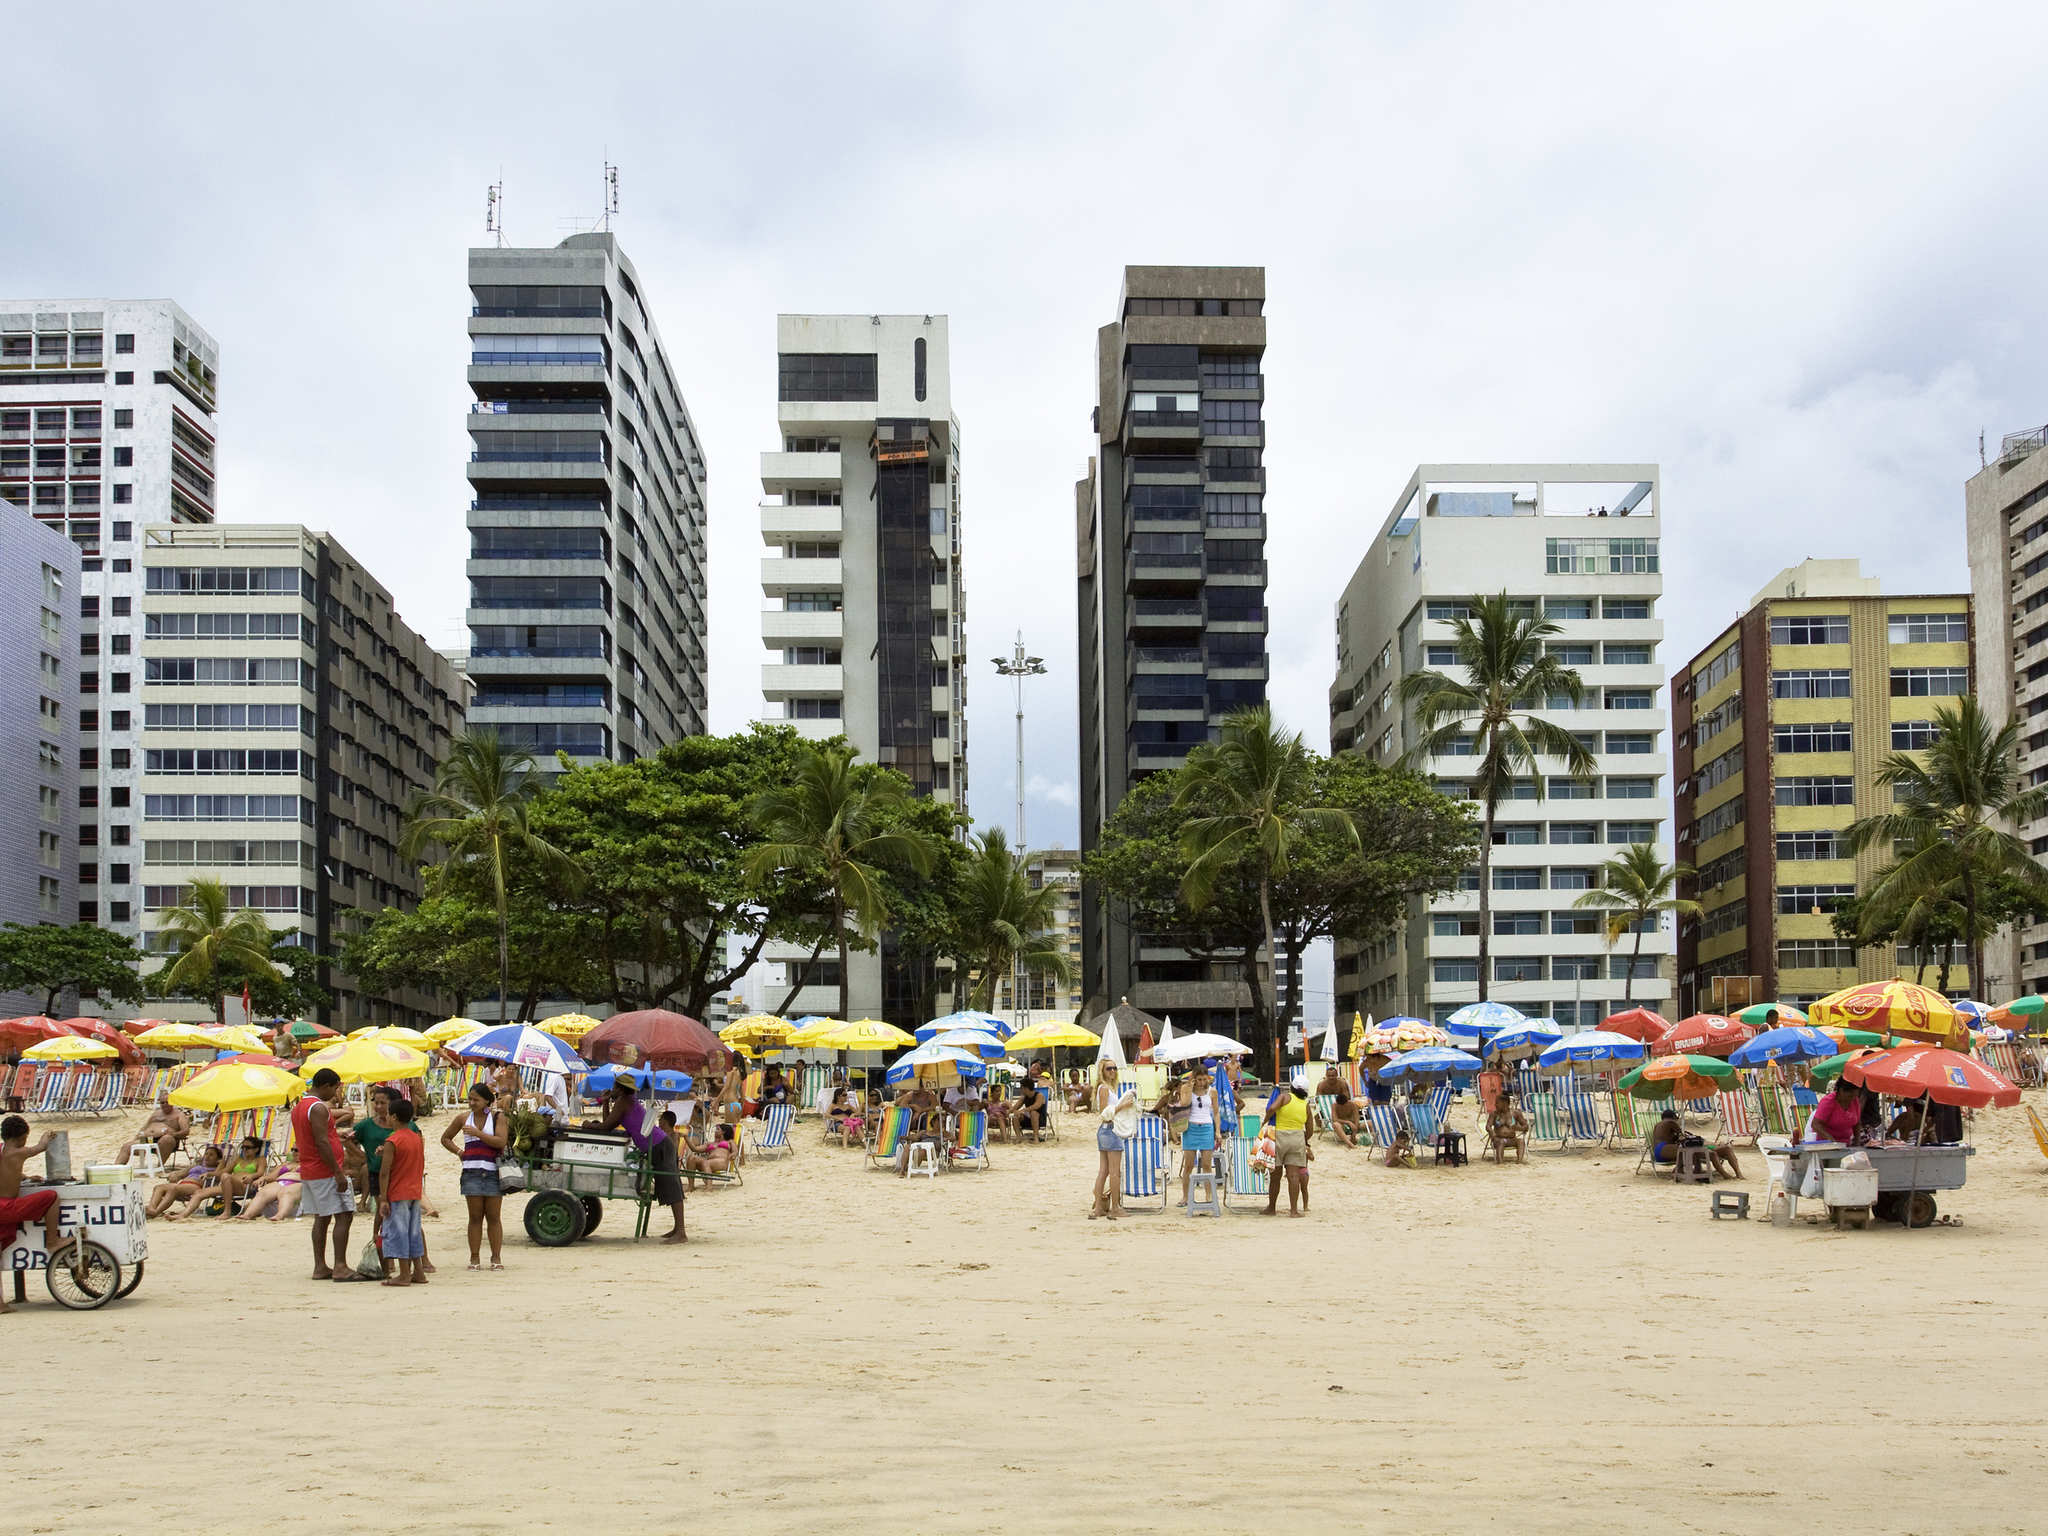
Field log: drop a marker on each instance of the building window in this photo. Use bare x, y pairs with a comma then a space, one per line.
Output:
1927, 628
827, 376
1810, 629
124, 378
1812, 900
1631, 698
1815, 954
1631, 743
1797, 846
1618, 967
1913, 735
1831, 737
1631, 831
1631, 789
1819, 789
1929, 682
1517, 923
917, 367
124, 341
123, 495
1518, 968
124, 418
1453, 925
1599, 557
1453, 971
1571, 878
1812, 683
1574, 832
124, 458
1517, 880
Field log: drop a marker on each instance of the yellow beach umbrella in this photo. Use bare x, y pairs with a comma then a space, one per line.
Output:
367, 1061
757, 1030
1894, 1007
1050, 1035
450, 1030
69, 1048
238, 1085
571, 1027
177, 1037
865, 1035
398, 1034
236, 1037
810, 1036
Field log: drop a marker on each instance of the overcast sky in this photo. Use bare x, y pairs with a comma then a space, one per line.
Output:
1794, 254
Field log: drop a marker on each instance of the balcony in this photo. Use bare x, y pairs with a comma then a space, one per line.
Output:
780, 627
781, 577
1166, 612
781, 681
816, 470
778, 521
585, 406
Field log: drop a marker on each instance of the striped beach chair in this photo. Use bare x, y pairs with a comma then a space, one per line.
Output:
892, 1126
1739, 1119
1582, 1116
1145, 1161
773, 1132
1386, 1122
23, 1085
54, 1090
1772, 1115
1239, 1181
1631, 1127
970, 1140
1545, 1123
109, 1091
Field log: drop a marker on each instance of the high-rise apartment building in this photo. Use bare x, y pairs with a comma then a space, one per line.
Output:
2006, 523
1171, 531
865, 613
287, 715
1779, 727
587, 562
1576, 544
106, 425
39, 708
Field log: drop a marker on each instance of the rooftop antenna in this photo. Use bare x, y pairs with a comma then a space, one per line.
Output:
611, 193
494, 210
1982, 462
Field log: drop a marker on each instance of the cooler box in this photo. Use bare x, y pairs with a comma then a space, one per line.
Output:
1849, 1186
107, 1173
609, 1149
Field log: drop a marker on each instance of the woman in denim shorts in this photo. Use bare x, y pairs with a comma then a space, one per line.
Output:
483, 1132
1113, 1102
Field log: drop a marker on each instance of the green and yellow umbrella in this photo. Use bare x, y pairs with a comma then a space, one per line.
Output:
2029, 1014
1679, 1077
1772, 1015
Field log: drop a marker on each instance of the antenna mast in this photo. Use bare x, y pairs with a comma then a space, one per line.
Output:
494, 212
611, 193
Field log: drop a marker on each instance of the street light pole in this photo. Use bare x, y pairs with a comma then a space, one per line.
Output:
1016, 667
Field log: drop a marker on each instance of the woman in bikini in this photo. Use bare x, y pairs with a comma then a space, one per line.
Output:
276, 1195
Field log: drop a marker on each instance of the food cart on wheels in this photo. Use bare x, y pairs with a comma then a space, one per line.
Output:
572, 1173
111, 1219
1907, 1176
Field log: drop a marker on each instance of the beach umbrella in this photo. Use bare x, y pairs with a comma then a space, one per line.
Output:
1329, 1050
1529, 1038
1112, 1048
1165, 1038
1488, 1015
398, 1034
1702, 1034
306, 1029
1644, 1024
865, 1035
571, 1027
673, 1083
757, 1030
1145, 1042
1599, 1048
366, 1061
936, 1064
176, 1037
1053, 1034
655, 1037
19, 1034
135, 1026
107, 1034
1843, 1037
1430, 1061
1771, 1015
1790, 1042
1194, 1046
1400, 1033
1894, 1007
978, 1043
604, 1078
451, 1029
70, 1048
1947, 1077
1359, 1025
1827, 1071
810, 1030
1679, 1077
232, 1085
235, 1037
522, 1046
2029, 1013
255, 1059
1972, 1010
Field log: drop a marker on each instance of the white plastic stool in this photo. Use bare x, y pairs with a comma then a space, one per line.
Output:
1205, 1193
145, 1161
924, 1159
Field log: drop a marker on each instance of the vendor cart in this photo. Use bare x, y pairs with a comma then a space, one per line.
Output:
111, 1218
572, 1174
1907, 1176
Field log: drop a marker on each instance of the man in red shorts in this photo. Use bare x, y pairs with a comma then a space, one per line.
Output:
16, 1209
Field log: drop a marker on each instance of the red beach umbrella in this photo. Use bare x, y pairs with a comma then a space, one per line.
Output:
1704, 1034
17, 1035
258, 1059
654, 1037
1145, 1042
1949, 1077
1644, 1024
141, 1026
101, 1030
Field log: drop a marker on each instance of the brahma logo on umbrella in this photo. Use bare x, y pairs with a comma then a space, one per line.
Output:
1959, 1077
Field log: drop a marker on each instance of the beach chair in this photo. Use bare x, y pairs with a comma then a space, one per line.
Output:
1422, 1117
1324, 1106
1630, 1131
2040, 1131
1738, 1118
1145, 1161
1773, 1118
1239, 1181
24, 1082
1385, 1120
52, 1090
970, 1140
892, 1128
1545, 1123
1582, 1116
773, 1132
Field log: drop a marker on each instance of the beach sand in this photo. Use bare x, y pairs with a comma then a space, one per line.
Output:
1558, 1348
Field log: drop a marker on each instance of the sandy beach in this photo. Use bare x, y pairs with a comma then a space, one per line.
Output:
1558, 1348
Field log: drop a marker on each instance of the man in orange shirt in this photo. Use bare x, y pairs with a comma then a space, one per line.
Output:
402, 1170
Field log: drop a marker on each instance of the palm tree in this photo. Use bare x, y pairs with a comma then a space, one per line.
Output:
1508, 672
1634, 887
829, 820
1252, 792
1005, 926
1951, 807
211, 938
476, 814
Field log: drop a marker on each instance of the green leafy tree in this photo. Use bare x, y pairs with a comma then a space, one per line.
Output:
827, 822
1508, 673
1004, 925
51, 958
1951, 806
1634, 887
1250, 801
923, 933
215, 944
447, 946
476, 816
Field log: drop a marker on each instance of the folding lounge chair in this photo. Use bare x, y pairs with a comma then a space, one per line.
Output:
2040, 1131
970, 1139
1239, 1181
773, 1134
892, 1126
1545, 1123
1325, 1105
1385, 1120
1772, 1116
1582, 1116
1145, 1161
51, 1091
1738, 1118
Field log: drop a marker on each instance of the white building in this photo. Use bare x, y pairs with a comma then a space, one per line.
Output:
864, 611
106, 425
1578, 544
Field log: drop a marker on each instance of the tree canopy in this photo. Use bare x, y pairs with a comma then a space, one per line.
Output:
52, 958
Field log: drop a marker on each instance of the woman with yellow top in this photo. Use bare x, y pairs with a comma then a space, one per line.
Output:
1287, 1114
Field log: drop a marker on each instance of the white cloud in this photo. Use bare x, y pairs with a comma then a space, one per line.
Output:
1062, 792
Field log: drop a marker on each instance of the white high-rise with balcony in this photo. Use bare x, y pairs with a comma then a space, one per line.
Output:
864, 610
1577, 544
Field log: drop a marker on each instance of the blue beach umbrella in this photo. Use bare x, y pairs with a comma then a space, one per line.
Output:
523, 1046
935, 1063
1488, 1015
976, 1042
1431, 1061
1791, 1042
672, 1082
1590, 1047
604, 1078
1972, 1010
1528, 1038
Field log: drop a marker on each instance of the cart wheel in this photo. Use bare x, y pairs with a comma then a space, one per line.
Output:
593, 1213
92, 1284
133, 1279
1919, 1209
1886, 1207
554, 1218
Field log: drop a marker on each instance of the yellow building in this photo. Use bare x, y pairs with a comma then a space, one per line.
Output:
1779, 727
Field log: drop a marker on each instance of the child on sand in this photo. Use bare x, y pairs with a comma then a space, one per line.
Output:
1402, 1153
402, 1172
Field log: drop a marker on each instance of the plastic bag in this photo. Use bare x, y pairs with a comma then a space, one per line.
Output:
1810, 1186
1857, 1160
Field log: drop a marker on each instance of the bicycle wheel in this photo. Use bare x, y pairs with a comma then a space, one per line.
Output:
134, 1278
92, 1283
